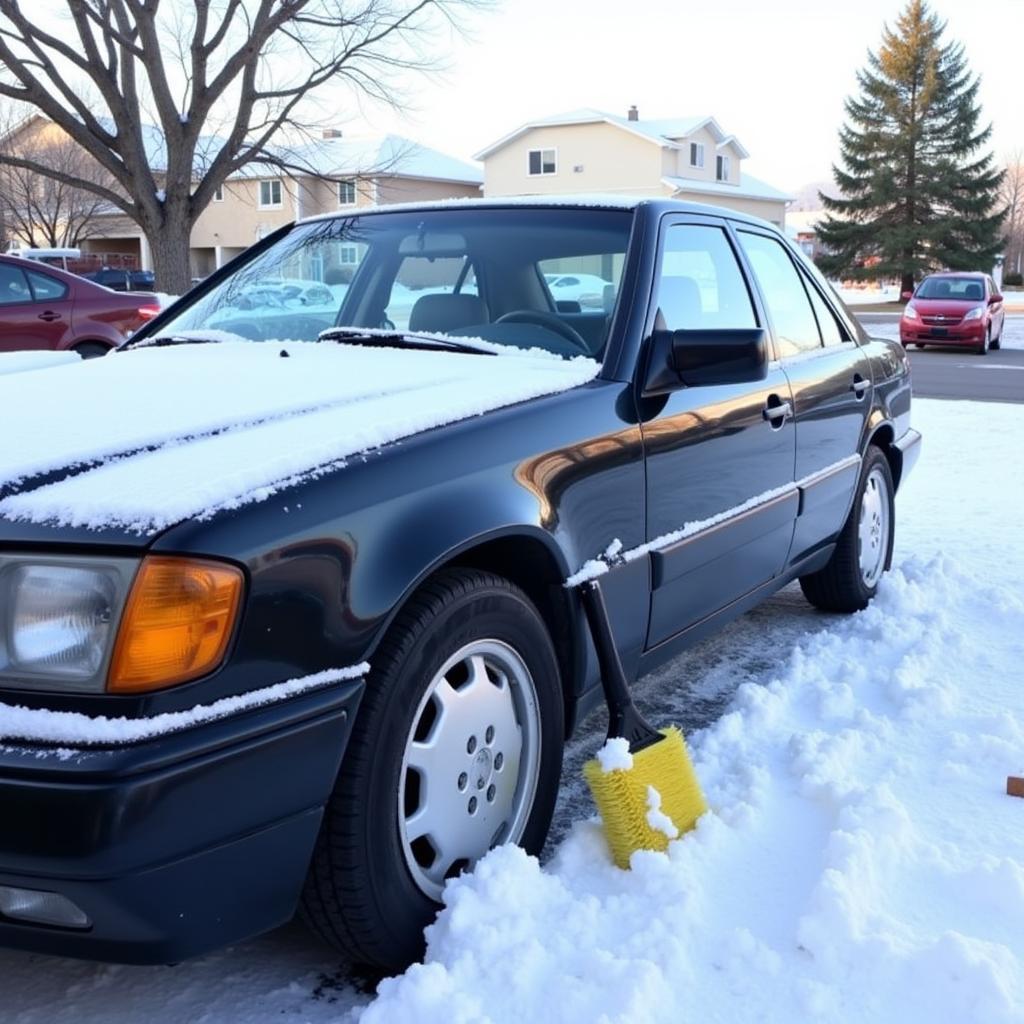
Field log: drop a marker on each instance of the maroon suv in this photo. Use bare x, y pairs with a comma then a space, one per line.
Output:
42, 307
954, 309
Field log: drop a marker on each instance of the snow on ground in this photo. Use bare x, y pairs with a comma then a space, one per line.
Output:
1012, 335
860, 861
17, 362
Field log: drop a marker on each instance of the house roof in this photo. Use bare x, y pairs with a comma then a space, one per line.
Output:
380, 154
384, 154
665, 132
748, 188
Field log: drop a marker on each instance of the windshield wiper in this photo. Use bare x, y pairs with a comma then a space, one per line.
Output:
384, 338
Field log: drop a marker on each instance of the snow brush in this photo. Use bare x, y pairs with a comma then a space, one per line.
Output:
647, 794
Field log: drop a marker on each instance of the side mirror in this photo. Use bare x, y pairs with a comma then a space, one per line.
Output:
678, 359
906, 296
995, 298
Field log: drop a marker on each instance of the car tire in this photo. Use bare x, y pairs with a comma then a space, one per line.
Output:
91, 349
372, 886
986, 343
995, 343
918, 344
864, 549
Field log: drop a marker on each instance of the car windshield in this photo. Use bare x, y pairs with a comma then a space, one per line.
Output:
484, 273
959, 289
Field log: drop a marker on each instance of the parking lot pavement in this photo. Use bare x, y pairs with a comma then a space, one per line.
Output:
961, 373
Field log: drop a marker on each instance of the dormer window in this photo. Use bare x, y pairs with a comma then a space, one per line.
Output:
696, 154
722, 168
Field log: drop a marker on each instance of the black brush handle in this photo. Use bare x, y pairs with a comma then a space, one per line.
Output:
623, 717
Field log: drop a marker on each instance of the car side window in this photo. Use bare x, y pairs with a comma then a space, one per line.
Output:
700, 284
831, 332
46, 288
13, 286
796, 328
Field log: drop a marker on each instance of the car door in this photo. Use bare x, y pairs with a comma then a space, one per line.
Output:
24, 322
830, 378
720, 458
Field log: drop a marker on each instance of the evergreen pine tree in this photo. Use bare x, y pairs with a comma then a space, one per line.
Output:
919, 193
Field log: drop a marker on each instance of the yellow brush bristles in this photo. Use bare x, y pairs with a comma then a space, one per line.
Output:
622, 796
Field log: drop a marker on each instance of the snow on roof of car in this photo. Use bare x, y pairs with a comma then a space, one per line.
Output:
588, 200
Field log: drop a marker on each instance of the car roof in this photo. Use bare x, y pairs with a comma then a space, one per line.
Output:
957, 273
572, 201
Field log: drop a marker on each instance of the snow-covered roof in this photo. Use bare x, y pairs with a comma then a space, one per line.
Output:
748, 188
666, 132
379, 154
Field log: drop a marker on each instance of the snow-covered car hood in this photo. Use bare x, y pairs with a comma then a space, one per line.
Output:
148, 437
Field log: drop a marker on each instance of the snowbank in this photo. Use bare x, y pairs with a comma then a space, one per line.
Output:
860, 863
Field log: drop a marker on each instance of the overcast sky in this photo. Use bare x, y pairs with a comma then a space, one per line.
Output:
772, 72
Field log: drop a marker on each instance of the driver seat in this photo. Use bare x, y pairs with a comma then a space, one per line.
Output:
442, 313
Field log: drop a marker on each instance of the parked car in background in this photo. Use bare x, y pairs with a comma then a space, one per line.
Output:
47, 308
954, 309
586, 289
123, 280
306, 578
60, 257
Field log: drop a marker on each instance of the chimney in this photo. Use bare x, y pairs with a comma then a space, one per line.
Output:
331, 133
634, 114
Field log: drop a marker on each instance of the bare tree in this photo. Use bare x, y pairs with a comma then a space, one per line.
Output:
43, 210
222, 80
1012, 195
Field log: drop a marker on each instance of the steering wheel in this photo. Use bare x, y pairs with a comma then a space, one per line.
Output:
549, 321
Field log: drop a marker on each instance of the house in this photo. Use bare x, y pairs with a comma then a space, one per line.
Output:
588, 150
339, 174
802, 228
332, 173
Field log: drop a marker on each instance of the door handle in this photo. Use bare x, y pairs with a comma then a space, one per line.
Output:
860, 386
776, 412
48, 316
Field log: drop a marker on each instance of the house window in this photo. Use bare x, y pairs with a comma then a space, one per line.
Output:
270, 193
722, 168
218, 194
543, 161
348, 255
696, 154
346, 193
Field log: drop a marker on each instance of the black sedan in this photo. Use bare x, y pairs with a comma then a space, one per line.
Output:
304, 588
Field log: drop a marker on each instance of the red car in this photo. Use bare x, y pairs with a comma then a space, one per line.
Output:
954, 309
42, 307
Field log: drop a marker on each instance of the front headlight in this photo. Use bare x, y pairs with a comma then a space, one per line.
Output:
909, 313
58, 618
975, 314
94, 625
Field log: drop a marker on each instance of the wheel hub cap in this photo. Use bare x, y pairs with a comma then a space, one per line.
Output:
471, 763
873, 529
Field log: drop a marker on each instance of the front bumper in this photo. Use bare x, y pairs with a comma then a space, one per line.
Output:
970, 333
178, 845
909, 448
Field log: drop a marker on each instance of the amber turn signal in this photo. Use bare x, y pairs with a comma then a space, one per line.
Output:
176, 625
